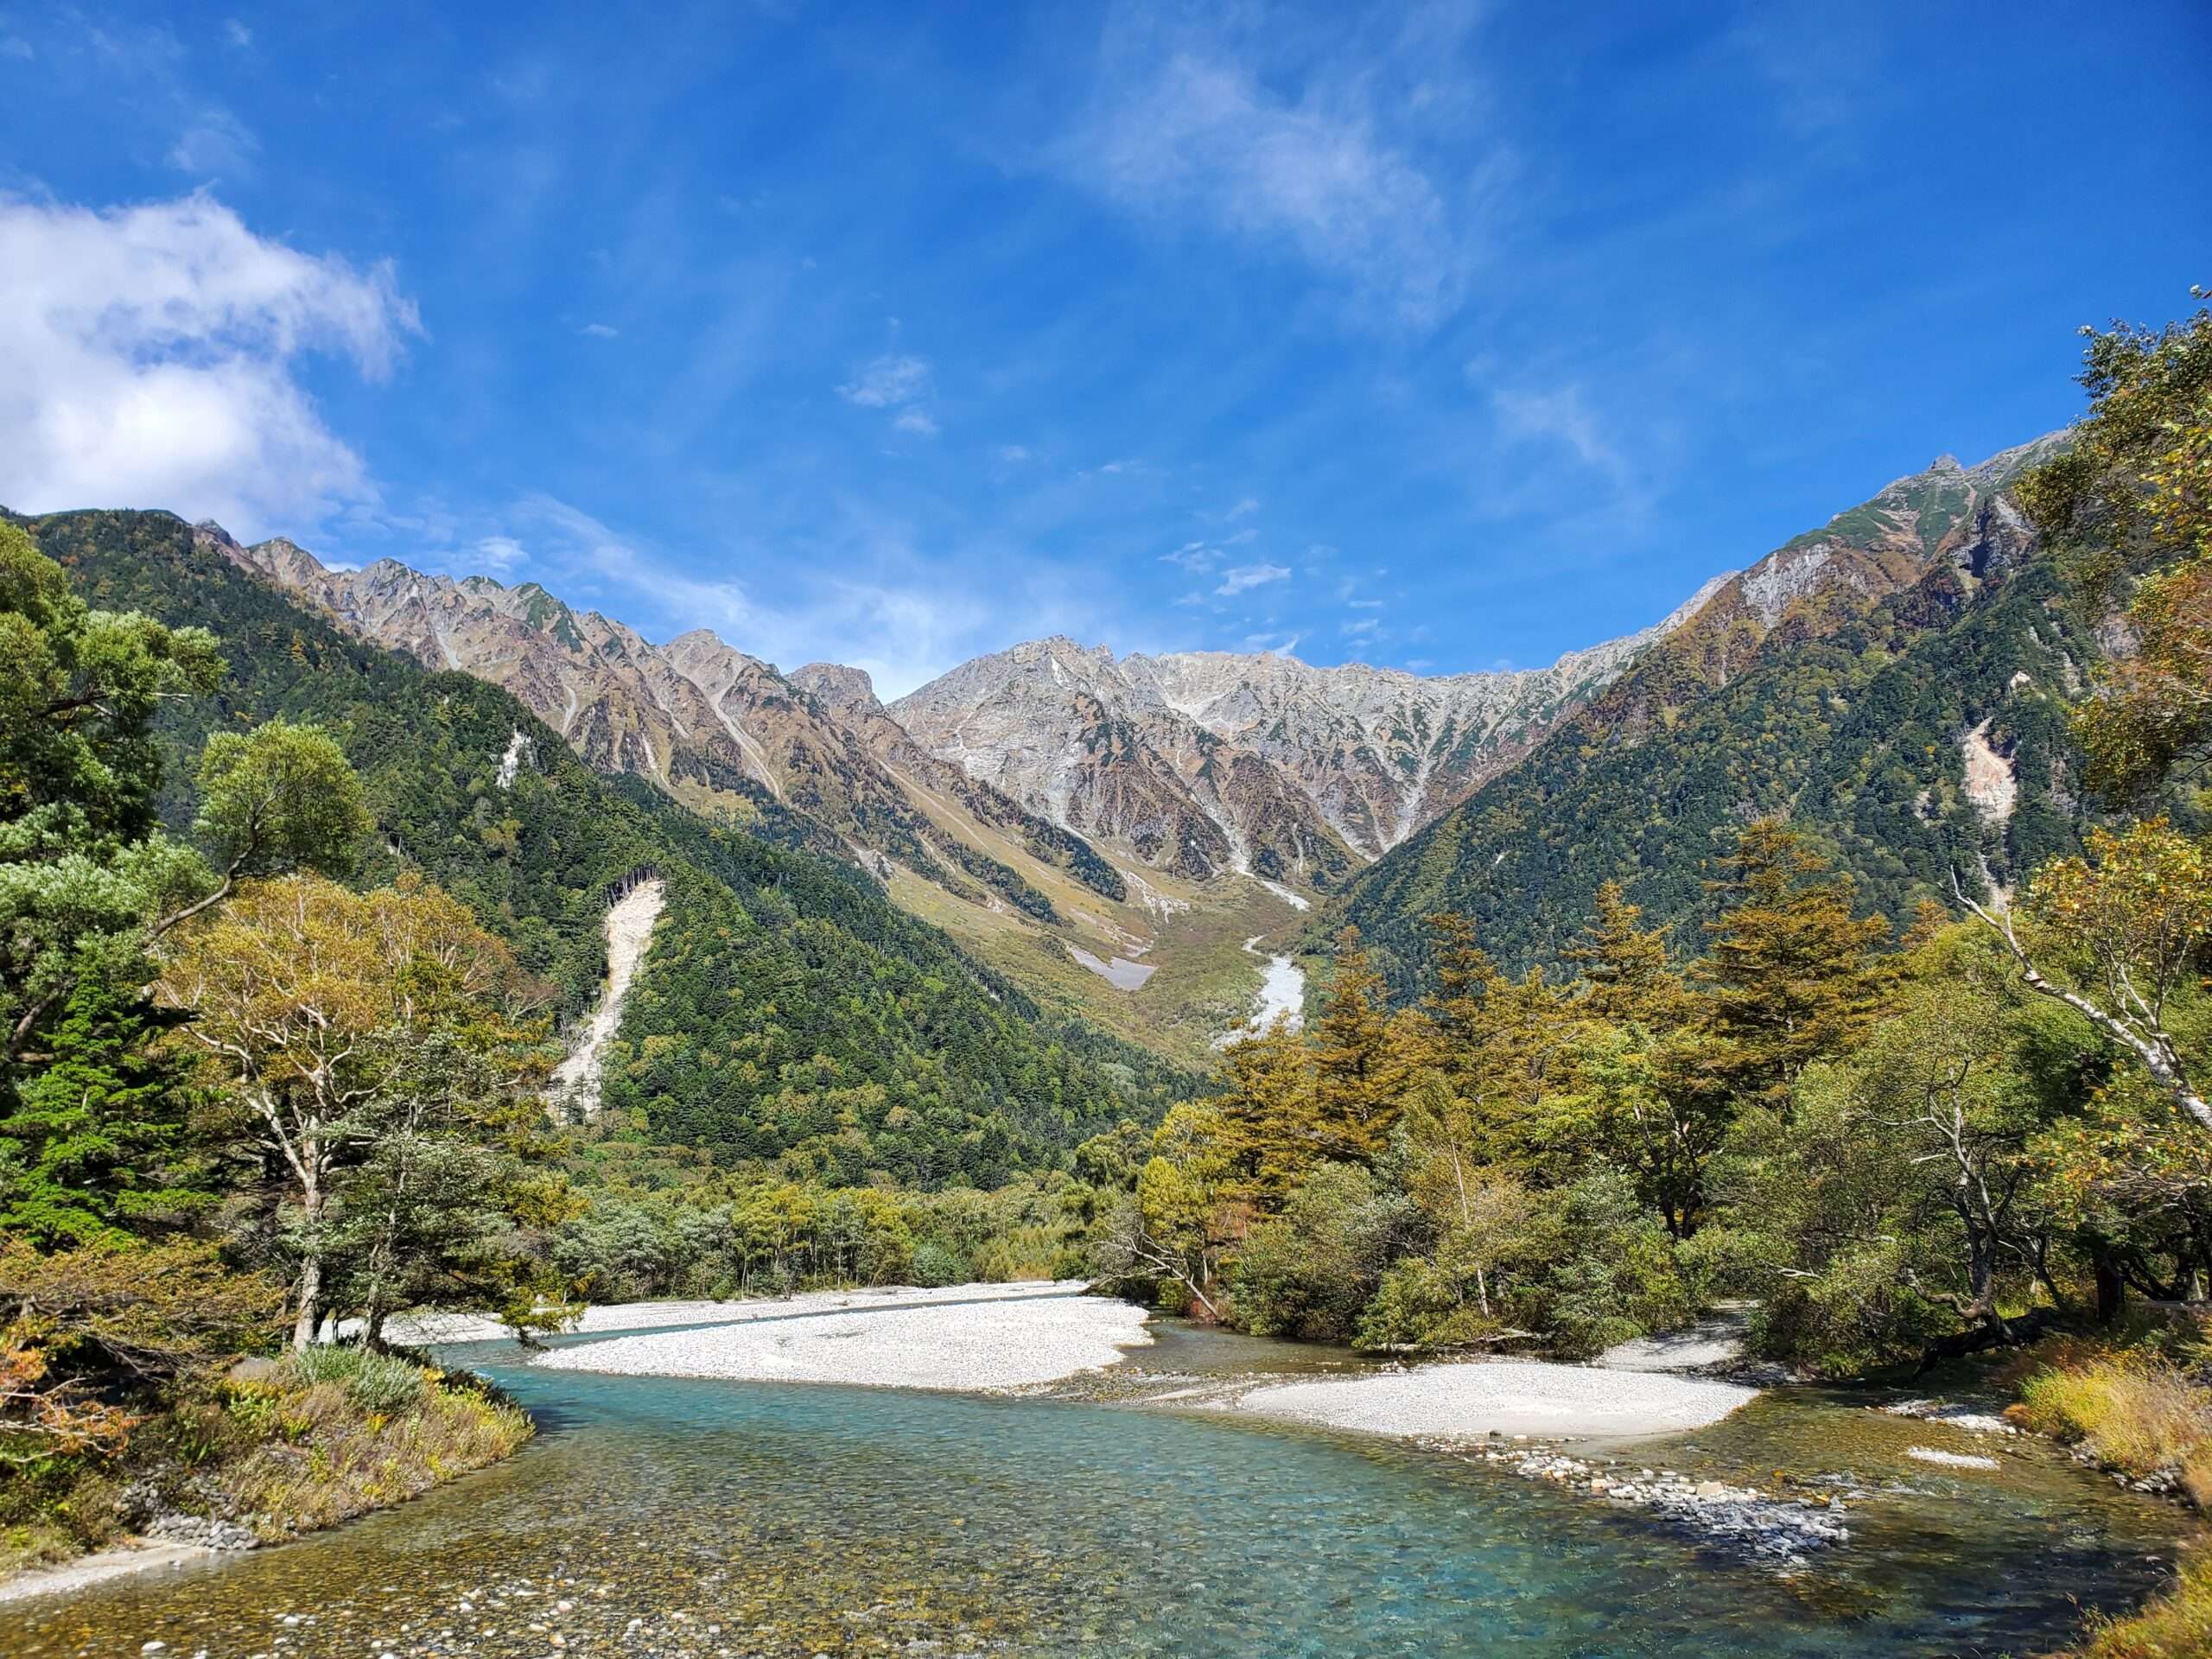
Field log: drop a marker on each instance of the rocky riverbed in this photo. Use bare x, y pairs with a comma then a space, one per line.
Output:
1779, 1528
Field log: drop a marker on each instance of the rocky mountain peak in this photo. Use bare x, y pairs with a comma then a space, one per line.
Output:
842, 690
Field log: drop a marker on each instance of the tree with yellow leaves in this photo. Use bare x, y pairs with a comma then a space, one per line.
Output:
352, 1027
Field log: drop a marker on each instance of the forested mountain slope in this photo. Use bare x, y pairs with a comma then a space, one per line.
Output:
813, 758
787, 1009
1896, 681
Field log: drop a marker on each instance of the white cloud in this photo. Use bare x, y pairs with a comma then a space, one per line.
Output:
896, 382
1014, 454
1243, 577
888, 382
600, 331
1244, 508
151, 356
1242, 537
237, 34
1361, 629
1275, 644
1192, 555
214, 145
1338, 164
15, 46
500, 555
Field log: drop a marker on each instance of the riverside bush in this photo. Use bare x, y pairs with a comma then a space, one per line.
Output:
935, 1266
373, 1381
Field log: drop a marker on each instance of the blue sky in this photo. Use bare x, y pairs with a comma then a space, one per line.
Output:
1442, 337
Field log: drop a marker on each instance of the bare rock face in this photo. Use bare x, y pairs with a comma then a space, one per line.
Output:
711, 725
1198, 764
841, 689
1203, 761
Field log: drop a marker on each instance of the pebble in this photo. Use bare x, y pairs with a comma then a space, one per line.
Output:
1782, 1530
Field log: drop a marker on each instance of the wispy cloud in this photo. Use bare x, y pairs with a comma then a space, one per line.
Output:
902, 631
500, 555
899, 382
154, 354
1243, 577
887, 382
600, 331
215, 144
1562, 415
1822, 64
1014, 454
1334, 165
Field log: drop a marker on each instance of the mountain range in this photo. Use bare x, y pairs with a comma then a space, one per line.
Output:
1200, 764
786, 1012
1086, 822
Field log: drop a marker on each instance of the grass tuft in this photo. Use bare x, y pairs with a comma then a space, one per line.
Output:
2177, 1625
2134, 1411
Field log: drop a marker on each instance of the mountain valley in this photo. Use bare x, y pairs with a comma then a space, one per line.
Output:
1110, 832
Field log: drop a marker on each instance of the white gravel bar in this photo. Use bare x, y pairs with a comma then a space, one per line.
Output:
1503, 1396
642, 1316
971, 1338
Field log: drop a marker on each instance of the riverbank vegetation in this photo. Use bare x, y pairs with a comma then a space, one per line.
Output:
229, 1085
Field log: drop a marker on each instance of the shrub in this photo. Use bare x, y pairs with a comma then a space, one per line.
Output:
936, 1265
1613, 1274
373, 1381
1308, 1272
1416, 1307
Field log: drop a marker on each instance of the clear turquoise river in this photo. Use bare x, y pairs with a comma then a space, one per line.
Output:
658, 1516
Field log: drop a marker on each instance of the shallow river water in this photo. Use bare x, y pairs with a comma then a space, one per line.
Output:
670, 1516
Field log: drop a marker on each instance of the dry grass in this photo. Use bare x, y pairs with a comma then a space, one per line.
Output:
2133, 1411
2178, 1626
287, 1448
327, 1457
